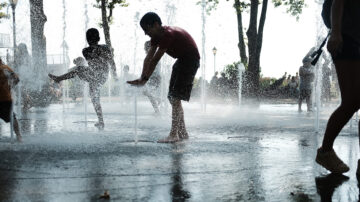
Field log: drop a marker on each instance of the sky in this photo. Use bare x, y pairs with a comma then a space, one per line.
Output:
286, 40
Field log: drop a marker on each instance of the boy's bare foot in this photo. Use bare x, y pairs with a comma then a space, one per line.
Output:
100, 125
184, 135
53, 77
169, 139
19, 138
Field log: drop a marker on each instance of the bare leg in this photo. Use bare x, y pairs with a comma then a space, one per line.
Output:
300, 103
173, 136
69, 75
153, 102
348, 76
95, 99
182, 129
17, 130
308, 103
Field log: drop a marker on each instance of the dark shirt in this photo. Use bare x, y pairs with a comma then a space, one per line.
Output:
98, 57
177, 42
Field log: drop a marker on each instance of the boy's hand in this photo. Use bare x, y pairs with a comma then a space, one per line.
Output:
137, 82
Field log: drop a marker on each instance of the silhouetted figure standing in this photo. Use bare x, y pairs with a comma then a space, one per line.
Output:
99, 58
306, 83
344, 46
177, 43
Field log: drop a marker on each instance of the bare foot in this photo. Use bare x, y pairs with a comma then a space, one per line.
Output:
100, 125
184, 135
169, 139
19, 138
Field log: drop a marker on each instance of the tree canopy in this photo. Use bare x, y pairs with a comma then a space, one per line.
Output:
2, 14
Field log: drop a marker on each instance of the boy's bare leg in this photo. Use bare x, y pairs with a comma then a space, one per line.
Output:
300, 102
95, 99
182, 129
17, 130
173, 136
66, 76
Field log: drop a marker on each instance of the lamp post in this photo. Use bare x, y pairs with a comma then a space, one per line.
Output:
13, 7
214, 51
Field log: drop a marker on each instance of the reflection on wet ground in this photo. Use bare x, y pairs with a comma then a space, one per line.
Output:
235, 155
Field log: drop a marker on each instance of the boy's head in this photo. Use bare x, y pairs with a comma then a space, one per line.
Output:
92, 36
307, 61
151, 23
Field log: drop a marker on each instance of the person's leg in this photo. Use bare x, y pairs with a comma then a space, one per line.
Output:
300, 101
173, 136
69, 75
182, 129
17, 130
94, 89
152, 101
349, 83
348, 73
308, 101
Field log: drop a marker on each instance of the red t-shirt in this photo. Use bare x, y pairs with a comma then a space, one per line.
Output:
177, 42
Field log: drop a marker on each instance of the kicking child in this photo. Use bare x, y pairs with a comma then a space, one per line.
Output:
99, 58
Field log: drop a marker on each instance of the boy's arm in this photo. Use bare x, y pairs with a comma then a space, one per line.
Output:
150, 62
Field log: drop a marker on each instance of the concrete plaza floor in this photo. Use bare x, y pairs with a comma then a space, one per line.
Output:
233, 154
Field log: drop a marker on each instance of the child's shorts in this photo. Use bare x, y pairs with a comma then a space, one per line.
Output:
182, 78
305, 93
5, 110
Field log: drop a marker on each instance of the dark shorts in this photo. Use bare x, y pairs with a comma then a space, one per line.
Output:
5, 110
182, 78
350, 49
305, 93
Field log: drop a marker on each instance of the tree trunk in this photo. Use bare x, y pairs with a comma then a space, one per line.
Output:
105, 24
241, 45
255, 37
38, 40
253, 68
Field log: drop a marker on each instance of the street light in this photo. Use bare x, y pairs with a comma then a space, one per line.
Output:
13, 7
214, 51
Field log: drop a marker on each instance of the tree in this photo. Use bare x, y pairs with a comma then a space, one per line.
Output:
105, 5
255, 34
2, 14
38, 40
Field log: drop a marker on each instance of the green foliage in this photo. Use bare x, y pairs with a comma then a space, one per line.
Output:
2, 14
110, 5
294, 7
265, 82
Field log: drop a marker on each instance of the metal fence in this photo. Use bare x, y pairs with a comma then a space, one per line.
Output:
5, 40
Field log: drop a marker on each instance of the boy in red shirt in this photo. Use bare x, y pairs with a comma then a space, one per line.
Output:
7, 80
177, 43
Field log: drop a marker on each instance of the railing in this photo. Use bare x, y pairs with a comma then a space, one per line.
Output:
4, 40
55, 59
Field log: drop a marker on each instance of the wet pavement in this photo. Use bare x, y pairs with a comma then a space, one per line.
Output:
233, 154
